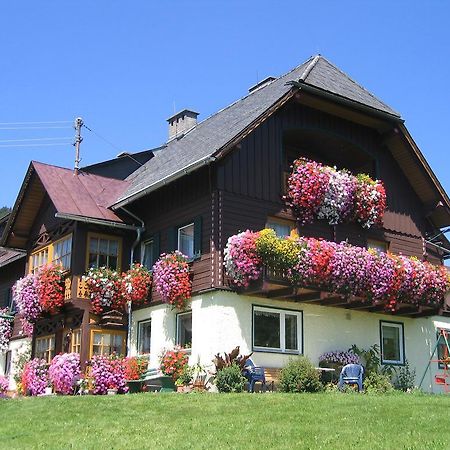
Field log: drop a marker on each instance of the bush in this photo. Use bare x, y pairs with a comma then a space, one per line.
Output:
64, 372
405, 378
377, 383
230, 379
299, 375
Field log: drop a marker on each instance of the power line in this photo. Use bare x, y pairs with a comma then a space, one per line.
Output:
34, 145
102, 138
35, 123
36, 139
35, 128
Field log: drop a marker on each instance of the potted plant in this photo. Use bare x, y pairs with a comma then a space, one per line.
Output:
135, 368
183, 381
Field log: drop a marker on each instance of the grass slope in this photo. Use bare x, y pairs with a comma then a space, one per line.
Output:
282, 421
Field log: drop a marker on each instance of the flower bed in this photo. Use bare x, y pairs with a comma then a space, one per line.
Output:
172, 279
323, 192
337, 267
64, 372
35, 377
108, 372
5, 331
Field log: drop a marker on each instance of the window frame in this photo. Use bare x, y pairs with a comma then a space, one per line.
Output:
50, 252
179, 228
280, 221
441, 365
401, 327
177, 329
49, 352
67, 236
110, 332
146, 242
138, 341
377, 243
282, 312
74, 345
110, 237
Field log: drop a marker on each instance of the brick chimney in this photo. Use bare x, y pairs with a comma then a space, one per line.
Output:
181, 122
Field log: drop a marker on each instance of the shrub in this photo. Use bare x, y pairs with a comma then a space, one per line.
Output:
22, 357
299, 375
35, 377
230, 379
108, 372
4, 384
186, 376
64, 372
377, 383
405, 378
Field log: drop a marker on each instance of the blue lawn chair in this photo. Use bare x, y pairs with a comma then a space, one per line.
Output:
352, 374
254, 374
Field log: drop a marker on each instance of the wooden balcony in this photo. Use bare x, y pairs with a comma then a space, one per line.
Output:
75, 287
276, 285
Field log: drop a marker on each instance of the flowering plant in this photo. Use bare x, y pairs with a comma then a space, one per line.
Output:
105, 289
172, 279
340, 357
323, 192
50, 288
35, 377
173, 362
108, 372
26, 297
340, 268
5, 331
136, 284
241, 260
4, 384
135, 367
64, 372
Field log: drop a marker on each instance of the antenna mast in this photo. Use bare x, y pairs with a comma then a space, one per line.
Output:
78, 139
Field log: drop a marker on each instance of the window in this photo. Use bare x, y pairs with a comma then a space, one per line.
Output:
184, 329
39, 259
148, 254
104, 251
75, 341
144, 336
7, 363
44, 348
186, 240
442, 350
107, 342
392, 343
277, 330
62, 252
379, 246
281, 227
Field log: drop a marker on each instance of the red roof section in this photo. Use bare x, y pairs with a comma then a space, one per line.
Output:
84, 194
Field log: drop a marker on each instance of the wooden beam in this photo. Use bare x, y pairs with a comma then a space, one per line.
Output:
308, 297
283, 292
328, 299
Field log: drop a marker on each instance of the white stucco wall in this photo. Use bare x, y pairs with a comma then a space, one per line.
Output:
15, 346
221, 320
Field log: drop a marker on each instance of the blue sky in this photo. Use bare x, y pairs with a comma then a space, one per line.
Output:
124, 66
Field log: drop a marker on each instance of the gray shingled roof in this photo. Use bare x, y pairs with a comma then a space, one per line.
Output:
9, 255
209, 136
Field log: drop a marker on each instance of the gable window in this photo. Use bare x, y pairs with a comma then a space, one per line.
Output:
378, 246
144, 337
38, 259
277, 330
62, 252
184, 329
281, 227
44, 348
107, 342
392, 343
186, 240
104, 251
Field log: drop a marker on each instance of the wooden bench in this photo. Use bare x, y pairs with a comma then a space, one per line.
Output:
272, 375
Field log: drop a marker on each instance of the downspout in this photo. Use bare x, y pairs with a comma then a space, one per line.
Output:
139, 231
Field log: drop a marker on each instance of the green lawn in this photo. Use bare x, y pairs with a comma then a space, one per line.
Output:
211, 421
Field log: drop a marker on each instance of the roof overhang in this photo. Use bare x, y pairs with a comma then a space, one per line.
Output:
105, 223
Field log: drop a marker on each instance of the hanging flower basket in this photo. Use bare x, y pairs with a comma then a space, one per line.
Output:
50, 288
171, 275
26, 297
136, 284
105, 289
316, 191
5, 331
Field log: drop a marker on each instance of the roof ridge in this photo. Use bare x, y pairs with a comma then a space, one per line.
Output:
356, 83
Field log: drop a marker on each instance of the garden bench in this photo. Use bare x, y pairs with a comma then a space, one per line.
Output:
157, 381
